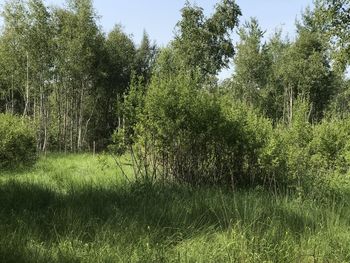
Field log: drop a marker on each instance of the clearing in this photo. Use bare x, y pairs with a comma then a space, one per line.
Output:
77, 208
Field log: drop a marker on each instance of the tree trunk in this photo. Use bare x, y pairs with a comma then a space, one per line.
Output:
80, 117
12, 97
26, 100
291, 105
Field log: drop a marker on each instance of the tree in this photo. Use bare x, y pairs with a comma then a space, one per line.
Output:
273, 75
204, 43
78, 43
15, 61
252, 64
145, 58
118, 65
306, 73
273, 95
41, 55
333, 17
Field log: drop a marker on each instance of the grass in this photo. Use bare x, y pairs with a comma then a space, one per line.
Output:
78, 208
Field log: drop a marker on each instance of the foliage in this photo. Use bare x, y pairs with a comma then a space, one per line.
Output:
117, 64
312, 159
196, 136
332, 17
285, 160
272, 75
67, 208
203, 42
330, 153
59, 68
17, 142
277, 133
132, 107
272, 124
252, 64
145, 58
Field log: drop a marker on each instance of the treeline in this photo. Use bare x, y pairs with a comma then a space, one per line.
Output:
281, 119
271, 75
60, 70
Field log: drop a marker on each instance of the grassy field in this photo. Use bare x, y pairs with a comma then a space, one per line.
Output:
77, 208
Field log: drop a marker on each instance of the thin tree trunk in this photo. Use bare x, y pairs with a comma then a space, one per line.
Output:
65, 121
59, 110
285, 94
41, 116
87, 122
71, 126
45, 116
291, 106
12, 97
26, 105
80, 118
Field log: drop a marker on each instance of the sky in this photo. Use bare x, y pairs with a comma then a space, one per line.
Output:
159, 17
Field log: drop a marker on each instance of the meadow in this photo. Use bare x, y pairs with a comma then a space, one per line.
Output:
249, 167
79, 208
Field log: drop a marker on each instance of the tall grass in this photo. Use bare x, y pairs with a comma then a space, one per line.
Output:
79, 208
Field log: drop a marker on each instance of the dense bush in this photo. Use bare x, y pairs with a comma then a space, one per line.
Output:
196, 136
17, 142
178, 128
285, 160
182, 126
330, 156
308, 157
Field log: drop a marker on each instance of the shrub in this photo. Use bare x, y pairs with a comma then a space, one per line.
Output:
331, 144
330, 156
181, 127
133, 103
195, 136
17, 142
286, 158
184, 131
313, 159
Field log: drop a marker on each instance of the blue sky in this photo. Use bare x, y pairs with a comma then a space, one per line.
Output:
158, 17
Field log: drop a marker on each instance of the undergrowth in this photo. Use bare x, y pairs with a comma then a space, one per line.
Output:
77, 208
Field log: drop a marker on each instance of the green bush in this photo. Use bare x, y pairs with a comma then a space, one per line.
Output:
330, 156
191, 134
330, 146
311, 158
133, 103
286, 158
179, 129
17, 142
182, 127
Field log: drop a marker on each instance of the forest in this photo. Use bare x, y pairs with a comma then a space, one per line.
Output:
117, 151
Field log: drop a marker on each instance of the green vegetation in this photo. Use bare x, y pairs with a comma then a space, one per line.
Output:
17, 142
75, 208
255, 168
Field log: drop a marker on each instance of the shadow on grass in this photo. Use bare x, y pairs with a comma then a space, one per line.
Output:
17, 171
169, 209
165, 214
